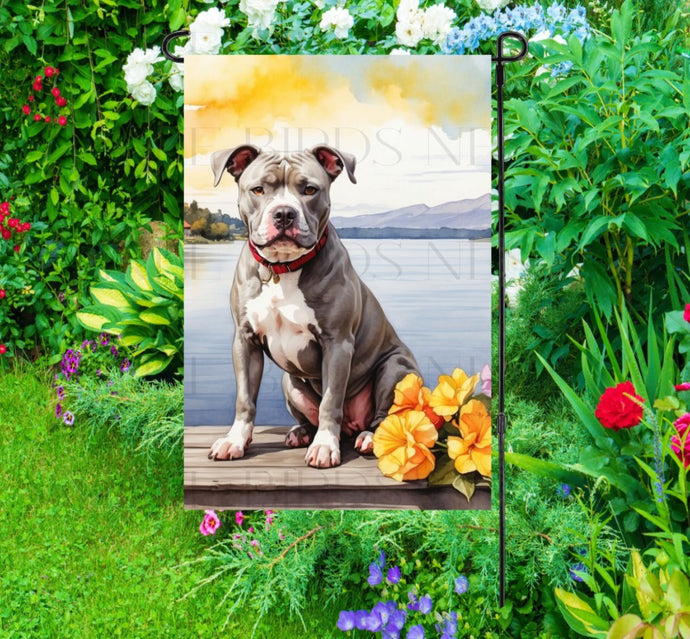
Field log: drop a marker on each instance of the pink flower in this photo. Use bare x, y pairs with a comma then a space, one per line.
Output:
55, 92
680, 443
239, 517
49, 71
27, 109
62, 120
37, 118
485, 378
210, 523
683, 387
60, 101
269, 518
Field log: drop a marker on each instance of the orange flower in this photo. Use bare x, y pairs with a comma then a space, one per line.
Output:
473, 450
452, 392
402, 443
411, 394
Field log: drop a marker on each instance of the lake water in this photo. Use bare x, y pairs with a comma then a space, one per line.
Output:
436, 293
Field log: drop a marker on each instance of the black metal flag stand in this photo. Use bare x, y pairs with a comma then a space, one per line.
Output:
501, 421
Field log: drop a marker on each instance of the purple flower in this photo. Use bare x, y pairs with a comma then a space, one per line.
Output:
577, 568
564, 490
416, 632
98, 372
58, 410
375, 575
396, 619
346, 620
425, 604
85, 344
104, 338
461, 585
448, 625
61, 296
361, 617
68, 418
60, 391
114, 351
124, 367
393, 575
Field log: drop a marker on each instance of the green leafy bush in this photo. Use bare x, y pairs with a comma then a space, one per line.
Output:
598, 161
144, 308
88, 185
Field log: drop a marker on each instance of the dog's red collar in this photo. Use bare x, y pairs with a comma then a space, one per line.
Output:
278, 268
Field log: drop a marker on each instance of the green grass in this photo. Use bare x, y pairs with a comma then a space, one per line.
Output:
94, 536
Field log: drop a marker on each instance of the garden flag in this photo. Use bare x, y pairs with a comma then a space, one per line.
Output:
337, 281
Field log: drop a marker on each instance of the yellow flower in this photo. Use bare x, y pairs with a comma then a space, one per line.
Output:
402, 443
473, 450
452, 392
411, 394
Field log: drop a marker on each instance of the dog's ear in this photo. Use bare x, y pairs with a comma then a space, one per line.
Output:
333, 161
235, 160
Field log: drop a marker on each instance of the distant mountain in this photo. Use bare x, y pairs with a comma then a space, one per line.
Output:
470, 215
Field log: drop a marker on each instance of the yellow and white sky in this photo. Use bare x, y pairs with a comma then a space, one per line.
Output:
419, 126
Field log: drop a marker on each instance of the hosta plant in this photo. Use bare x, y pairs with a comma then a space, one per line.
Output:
143, 307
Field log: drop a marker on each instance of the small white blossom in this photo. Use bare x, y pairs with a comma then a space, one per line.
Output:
340, 19
407, 10
409, 33
260, 13
437, 23
139, 65
212, 19
489, 6
399, 51
207, 32
144, 93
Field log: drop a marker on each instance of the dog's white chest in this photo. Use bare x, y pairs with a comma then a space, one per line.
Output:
280, 314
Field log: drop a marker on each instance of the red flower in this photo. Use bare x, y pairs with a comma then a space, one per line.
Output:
5, 234
60, 101
39, 78
686, 313
617, 407
3, 349
27, 109
56, 92
37, 86
31, 98
12, 222
26, 226
62, 120
17, 248
37, 118
5, 207
49, 71
683, 387
47, 118
2, 293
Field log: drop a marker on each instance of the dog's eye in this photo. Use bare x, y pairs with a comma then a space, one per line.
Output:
310, 190
258, 190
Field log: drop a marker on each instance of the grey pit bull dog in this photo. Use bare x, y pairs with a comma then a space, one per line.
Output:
297, 298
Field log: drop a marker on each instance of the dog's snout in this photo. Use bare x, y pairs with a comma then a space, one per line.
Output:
284, 217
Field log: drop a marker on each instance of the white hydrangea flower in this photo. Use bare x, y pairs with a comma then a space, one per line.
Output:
144, 93
399, 51
489, 6
340, 19
437, 23
260, 13
139, 65
409, 33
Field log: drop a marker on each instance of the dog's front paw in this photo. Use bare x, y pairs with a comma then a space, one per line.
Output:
324, 451
233, 445
365, 442
299, 436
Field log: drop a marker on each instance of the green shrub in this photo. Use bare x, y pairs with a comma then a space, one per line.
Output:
144, 308
598, 162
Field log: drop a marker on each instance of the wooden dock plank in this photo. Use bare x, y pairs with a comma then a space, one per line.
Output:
271, 475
